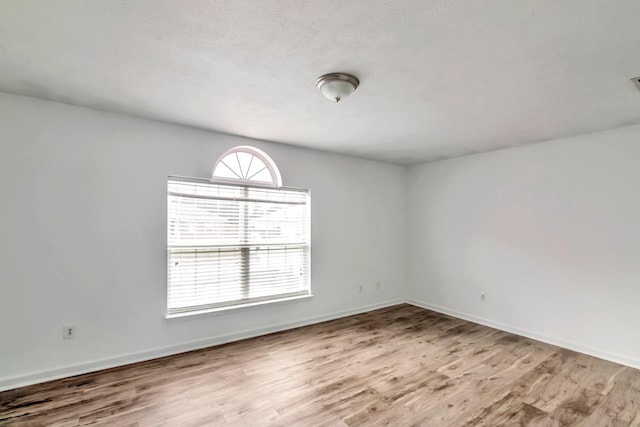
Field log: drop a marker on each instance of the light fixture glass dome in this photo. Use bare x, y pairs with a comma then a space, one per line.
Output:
337, 86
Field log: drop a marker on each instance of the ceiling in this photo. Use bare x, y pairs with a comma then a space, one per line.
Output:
438, 78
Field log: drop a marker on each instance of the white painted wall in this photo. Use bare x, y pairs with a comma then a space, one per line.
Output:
550, 231
83, 238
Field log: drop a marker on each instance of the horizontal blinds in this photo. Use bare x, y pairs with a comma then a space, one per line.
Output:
229, 244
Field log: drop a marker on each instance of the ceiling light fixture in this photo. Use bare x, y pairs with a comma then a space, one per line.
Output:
337, 86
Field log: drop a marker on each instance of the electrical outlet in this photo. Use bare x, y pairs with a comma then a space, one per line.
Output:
68, 332
378, 285
483, 297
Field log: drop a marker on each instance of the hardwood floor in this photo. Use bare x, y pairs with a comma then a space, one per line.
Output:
399, 366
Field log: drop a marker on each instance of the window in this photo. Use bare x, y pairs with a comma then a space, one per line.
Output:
238, 238
248, 165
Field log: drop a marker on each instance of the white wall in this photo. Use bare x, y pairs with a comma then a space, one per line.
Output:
551, 233
83, 238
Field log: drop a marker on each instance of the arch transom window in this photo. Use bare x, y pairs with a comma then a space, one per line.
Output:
238, 238
249, 164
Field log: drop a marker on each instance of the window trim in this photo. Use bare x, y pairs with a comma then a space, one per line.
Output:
225, 309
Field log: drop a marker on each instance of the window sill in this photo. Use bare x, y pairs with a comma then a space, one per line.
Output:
233, 308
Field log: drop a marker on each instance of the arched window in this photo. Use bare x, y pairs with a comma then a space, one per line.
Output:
237, 239
248, 164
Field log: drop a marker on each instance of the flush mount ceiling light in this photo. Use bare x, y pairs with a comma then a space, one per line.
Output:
337, 86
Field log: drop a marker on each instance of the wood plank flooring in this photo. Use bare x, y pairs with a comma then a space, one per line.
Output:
399, 366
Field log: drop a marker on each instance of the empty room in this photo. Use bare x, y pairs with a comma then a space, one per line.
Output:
319, 213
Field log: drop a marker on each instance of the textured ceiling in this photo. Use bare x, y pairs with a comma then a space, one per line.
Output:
439, 78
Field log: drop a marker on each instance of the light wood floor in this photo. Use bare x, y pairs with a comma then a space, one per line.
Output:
399, 366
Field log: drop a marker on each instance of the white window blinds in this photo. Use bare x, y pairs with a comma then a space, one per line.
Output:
231, 244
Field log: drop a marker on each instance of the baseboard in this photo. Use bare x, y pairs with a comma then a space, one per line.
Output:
602, 354
98, 365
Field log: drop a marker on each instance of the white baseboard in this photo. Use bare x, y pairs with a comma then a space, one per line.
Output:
10, 383
602, 354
